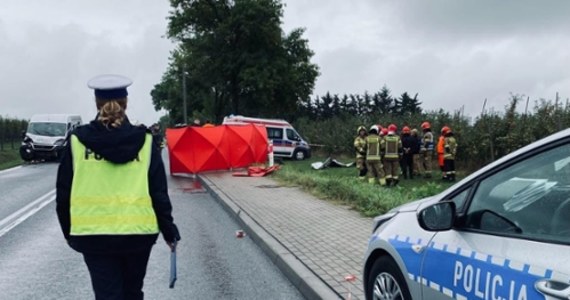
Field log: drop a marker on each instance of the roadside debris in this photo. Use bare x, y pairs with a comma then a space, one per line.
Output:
240, 234
349, 279
256, 171
330, 163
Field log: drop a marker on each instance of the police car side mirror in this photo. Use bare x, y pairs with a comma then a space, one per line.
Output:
437, 217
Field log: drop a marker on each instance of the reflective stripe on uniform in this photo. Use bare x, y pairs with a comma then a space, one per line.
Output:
392, 147
108, 198
373, 149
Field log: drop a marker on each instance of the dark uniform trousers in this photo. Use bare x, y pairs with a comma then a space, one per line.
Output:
117, 276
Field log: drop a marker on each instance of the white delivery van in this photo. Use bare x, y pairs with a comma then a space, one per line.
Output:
46, 135
286, 141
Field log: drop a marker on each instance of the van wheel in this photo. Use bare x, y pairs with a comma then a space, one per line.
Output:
299, 155
26, 153
386, 281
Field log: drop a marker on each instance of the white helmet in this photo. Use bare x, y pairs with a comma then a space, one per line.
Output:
374, 128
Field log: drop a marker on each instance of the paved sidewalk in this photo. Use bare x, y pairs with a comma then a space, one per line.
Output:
314, 242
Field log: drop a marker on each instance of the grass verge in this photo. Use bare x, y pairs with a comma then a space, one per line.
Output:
9, 158
341, 185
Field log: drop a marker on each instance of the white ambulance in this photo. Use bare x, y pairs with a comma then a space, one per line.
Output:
286, 141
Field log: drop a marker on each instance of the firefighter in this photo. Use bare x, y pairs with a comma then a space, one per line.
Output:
441, 150
426, 150
417, 143
374, 158
392, 150
360, 147
408, 143
112, 199
450, 152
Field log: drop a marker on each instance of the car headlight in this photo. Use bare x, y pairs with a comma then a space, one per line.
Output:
27, 140
60, 143
378, 221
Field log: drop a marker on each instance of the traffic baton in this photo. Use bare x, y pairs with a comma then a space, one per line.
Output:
172, 265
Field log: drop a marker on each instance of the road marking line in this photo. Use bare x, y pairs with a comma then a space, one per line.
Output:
25, 212
10, 170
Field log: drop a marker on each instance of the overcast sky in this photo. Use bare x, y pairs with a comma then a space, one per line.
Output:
451, 52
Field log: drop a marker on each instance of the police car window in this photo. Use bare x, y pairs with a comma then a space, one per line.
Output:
274, 133
530, 199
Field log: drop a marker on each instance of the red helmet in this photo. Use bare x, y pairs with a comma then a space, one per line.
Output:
384, 131
445, 130
426, 125
406, 129
392, 127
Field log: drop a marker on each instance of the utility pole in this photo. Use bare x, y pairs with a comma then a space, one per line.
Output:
185, 108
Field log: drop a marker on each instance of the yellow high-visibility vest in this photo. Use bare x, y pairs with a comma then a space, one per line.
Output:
108, 198
393, 146
373, 149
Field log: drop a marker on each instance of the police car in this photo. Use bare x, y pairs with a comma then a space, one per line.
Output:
503, 233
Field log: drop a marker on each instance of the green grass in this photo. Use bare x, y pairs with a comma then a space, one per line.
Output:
9, 158
341, 185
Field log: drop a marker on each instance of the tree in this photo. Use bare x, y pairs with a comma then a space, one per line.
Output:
237, 60
406, 105
385, 101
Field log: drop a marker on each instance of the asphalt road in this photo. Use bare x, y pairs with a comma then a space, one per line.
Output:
36, 263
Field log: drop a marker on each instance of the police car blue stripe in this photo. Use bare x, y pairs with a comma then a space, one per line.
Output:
470, 275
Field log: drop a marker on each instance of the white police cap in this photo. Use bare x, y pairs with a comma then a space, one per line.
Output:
110, 86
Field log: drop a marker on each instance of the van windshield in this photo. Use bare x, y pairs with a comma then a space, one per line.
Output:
47, 129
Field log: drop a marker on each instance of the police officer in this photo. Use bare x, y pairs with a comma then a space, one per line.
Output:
450, 152
374, 158
112, 198
392, 149
360, 148
426, 150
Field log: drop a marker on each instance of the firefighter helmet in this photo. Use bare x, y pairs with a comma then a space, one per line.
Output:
384, 131
406, 130
393, 127
445, 130
360, 128
426, 125
374, 129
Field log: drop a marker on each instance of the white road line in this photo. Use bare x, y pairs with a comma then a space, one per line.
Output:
10, 170
25, 212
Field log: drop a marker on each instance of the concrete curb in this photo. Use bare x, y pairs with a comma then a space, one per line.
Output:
309, 284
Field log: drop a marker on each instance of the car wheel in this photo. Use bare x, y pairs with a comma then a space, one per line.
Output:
386, 281
299, 155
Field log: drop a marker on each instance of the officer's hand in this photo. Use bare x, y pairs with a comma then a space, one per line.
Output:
172, 246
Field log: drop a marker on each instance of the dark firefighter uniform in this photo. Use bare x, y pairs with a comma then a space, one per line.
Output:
373, 157
392, 149
450, 152
407, 162
360, 148
112, 202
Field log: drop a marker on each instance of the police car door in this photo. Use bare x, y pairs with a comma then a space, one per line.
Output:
511, 239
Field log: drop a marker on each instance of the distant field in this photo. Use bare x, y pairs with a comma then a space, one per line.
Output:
9, 158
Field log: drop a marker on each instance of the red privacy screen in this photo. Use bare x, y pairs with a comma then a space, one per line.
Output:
196, 149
